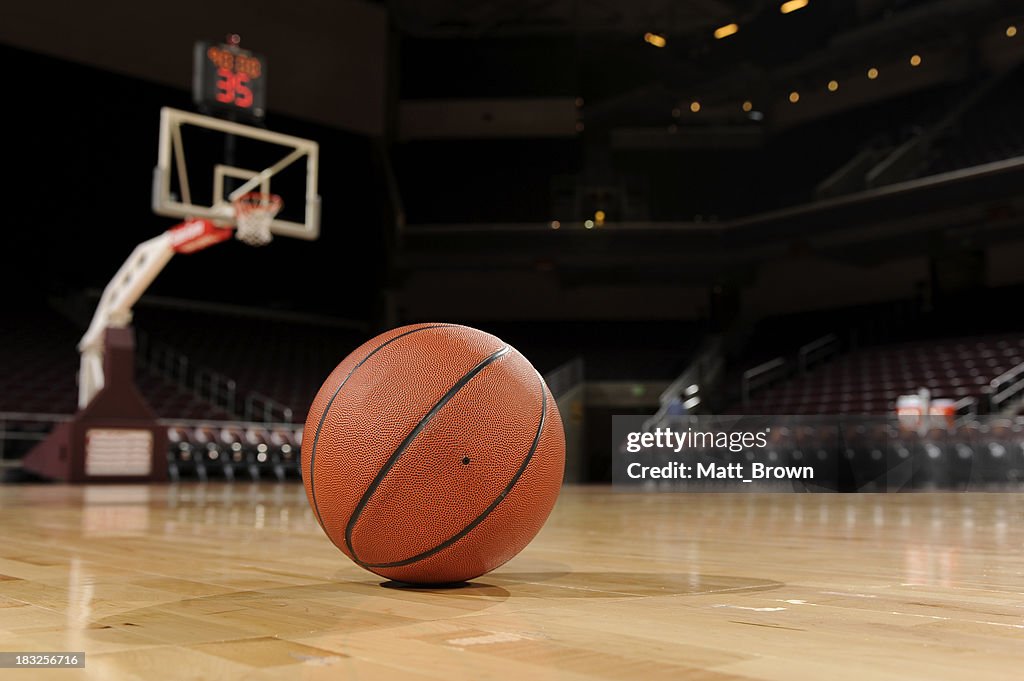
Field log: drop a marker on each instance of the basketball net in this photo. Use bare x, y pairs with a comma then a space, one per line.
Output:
253, 214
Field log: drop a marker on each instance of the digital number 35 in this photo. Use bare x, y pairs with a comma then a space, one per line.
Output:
233, 88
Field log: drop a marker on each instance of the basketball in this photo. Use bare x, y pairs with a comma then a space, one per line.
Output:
433, 454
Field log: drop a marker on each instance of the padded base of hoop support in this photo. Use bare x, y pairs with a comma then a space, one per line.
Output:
115, 438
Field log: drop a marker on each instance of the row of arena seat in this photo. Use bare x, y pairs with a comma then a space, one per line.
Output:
41, 362
869, 381
231, 451
286, 361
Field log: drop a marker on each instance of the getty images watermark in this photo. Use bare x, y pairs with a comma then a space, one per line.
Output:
663, 440
810, 454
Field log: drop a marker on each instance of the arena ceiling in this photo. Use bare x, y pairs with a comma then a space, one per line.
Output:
329, 58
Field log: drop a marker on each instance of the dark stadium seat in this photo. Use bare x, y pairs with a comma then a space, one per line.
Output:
869, 381
286, 361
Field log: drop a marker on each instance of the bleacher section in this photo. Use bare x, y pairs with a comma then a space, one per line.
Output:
41, 362
869, 381
284, 360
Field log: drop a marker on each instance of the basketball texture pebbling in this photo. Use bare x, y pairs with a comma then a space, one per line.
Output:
433, 454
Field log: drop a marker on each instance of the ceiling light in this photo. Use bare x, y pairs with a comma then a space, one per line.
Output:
748, 106
872, 73
792, 6
655, 39
695, 106
915, 60
726, 31
1011, 31
833, 85
794, 96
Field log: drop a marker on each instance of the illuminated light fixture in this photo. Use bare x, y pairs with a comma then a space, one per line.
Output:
694, 106
555, 224
599, 217
655, 39
793, 5
1011, 31
915, 60
589, 224
794, 96
833, 85
872, 73
748, 106
726, 31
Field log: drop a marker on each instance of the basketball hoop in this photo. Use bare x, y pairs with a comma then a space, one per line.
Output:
253, 214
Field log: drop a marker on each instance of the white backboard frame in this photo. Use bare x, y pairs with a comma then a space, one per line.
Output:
171, 163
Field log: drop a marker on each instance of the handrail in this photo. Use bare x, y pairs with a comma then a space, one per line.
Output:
760, 375
221, 391
1007, 376
221, 423
267, 406
966, 409
693, 383
998, 395
26, 416
818, 348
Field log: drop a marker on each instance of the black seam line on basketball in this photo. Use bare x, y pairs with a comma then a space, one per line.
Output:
494, 504
327, 408
393, 459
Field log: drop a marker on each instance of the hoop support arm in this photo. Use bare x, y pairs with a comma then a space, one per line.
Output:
115, 308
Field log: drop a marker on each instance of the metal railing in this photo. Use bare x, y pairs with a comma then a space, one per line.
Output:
966, 409
1005, 387
265, 409
762, 375
175, 366
217, 389
689, 390
170, 363
16, 439
817, 350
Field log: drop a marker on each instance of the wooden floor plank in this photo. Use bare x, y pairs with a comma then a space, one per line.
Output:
238, 581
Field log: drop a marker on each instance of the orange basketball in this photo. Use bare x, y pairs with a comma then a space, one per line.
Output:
433, 453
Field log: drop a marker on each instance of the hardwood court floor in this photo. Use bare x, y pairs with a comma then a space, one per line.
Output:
237, 581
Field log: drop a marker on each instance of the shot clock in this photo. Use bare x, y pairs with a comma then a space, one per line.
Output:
229, 80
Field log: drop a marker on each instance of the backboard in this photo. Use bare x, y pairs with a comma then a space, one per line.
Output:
205, 163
